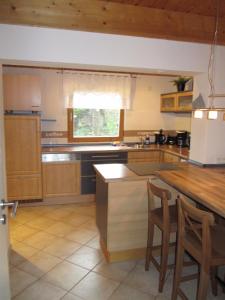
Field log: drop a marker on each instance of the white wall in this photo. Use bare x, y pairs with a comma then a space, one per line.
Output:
29, 45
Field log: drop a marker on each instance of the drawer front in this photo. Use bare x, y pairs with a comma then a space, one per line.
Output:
88, 185
103, 155
87, 168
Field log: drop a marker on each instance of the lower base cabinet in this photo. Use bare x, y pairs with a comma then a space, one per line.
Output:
24, 187
61, 179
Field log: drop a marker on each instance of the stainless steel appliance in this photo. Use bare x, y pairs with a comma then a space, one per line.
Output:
160, 138
182, 139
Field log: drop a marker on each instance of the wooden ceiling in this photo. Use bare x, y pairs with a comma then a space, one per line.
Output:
182, 20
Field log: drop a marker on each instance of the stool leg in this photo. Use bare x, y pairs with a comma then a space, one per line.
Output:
178, 270
164, 260
213, 275
203, 284
149, 245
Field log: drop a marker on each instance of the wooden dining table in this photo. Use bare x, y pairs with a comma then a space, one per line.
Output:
204, 185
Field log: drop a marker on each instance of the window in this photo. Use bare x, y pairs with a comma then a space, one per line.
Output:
93, 124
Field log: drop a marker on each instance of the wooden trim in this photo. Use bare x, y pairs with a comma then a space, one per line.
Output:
94, 139
129, 254
132, 73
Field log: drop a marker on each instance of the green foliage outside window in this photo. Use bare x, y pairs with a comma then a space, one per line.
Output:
96, 122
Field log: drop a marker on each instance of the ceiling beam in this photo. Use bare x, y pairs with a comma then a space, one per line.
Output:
108, 17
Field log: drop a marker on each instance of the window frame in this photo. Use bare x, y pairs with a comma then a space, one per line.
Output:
71, 138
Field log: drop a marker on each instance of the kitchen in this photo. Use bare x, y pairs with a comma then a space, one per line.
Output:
197, 54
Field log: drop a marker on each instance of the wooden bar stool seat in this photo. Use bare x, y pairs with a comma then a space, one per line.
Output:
157, 217
165, 218
200, 237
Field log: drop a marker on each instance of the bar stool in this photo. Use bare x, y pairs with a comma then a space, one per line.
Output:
204, 241
165, 218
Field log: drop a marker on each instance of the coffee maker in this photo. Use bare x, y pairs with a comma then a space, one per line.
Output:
160, 138
181, 139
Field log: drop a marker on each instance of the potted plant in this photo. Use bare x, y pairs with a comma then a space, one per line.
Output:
180, 83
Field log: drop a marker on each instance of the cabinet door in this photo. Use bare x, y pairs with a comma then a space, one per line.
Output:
143, 156
61, 179
184, 102
168, 103
23, 149
24, 187
21, 92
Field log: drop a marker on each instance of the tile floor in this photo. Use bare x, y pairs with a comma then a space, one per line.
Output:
56, 255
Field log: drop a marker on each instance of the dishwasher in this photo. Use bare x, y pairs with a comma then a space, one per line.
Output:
88, 176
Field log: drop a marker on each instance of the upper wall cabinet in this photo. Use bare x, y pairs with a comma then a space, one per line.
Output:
22, 92
176, 102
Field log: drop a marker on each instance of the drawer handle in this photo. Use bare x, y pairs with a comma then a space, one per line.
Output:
104, 156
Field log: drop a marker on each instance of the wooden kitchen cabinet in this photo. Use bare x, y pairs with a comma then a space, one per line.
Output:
144, 156
61, 179
167, 157
176, 102
23, 157
21, 92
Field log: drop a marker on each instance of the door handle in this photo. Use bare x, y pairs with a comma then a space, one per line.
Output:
14, 205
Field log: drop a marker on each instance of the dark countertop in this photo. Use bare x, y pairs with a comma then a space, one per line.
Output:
181, 152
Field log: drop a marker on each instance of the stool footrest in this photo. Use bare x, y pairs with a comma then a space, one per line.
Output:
189, 277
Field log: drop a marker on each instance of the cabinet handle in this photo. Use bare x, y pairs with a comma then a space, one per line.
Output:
93, 179
105, 156
35, 105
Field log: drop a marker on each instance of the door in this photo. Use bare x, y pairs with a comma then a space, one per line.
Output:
4, 240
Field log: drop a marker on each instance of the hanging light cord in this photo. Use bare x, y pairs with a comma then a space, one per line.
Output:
211, 65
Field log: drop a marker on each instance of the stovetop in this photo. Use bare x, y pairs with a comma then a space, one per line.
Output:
143, 169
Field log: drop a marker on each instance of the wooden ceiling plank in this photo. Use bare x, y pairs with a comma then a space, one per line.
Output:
110, 17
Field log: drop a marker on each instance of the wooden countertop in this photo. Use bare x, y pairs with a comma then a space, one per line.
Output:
182, 153
204, 185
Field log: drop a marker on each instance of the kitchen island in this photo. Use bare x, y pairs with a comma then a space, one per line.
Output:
121, 202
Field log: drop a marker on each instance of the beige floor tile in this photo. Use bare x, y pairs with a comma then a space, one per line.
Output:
62, 248
125, 292
86, 257
22, 232
19, 280
25, 216
40, 240
65, 275
94, 243
59, 229
77, 220
20, 253
81, 236
59, 214
39, 264
41, 290
95, 287
117, 271
87, 210
40, 222
91, 224
71, 297
145, 281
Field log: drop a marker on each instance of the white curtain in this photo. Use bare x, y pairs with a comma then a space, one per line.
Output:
98, 90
